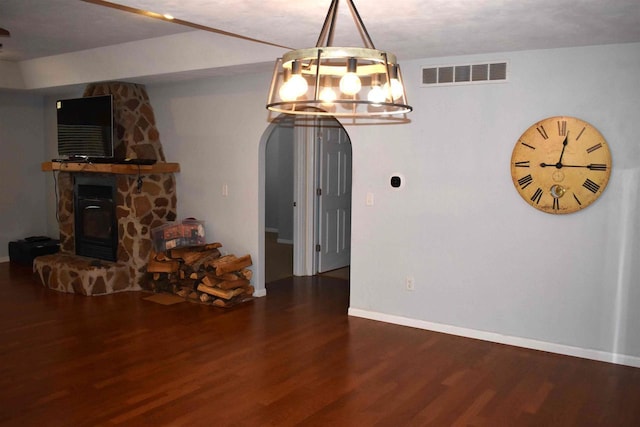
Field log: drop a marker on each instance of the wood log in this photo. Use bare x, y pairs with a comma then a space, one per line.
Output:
195, 258
237, 275
219, 302
215, 245
220, 293
197, 275
211, 280
230, 276
233, 284
208, 255
226, 304
188, 283
163, 266
161, 256
235, 265
188, 271
213, 264
176, 253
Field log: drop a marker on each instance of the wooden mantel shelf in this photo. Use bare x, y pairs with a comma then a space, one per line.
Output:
115, 168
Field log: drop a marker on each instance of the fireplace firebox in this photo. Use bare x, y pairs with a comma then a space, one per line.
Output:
96, 224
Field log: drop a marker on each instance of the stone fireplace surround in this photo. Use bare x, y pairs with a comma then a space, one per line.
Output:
141, 204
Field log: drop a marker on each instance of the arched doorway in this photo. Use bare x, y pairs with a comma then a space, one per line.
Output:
305, 195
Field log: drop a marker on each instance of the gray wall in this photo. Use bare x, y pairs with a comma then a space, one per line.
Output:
22, 184
485, 263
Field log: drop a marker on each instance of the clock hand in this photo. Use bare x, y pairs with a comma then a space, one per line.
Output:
591, 166
558, 165
564, 145
554, 165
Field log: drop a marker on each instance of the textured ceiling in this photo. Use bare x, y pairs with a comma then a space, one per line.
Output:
51, 27
408, 28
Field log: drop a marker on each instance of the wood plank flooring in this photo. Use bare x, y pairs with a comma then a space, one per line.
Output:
291, 358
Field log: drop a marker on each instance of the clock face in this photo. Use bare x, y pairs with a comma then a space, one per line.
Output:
560, 165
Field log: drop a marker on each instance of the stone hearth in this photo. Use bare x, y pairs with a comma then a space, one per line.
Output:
144, 201
81, 275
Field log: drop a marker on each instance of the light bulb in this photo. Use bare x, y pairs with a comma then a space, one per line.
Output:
396, 89
350, 84
376, 95
298, 85
286, 92
327, 95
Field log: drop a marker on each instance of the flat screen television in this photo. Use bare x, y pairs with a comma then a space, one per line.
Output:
85, 127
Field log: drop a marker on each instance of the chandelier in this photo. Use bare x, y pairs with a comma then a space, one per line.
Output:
351, 82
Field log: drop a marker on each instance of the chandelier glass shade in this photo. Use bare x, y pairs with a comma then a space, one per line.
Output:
356, 82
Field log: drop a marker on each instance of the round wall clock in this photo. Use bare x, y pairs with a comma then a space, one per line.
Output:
560, 165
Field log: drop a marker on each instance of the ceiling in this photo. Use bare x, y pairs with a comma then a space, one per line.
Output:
408, 28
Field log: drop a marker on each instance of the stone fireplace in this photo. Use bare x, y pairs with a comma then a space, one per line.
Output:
106, 211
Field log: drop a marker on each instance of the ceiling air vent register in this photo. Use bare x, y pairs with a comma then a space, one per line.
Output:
464, 74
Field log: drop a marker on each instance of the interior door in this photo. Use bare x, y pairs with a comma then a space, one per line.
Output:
334, 198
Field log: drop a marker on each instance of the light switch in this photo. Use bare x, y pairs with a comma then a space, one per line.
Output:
369, 200
225, 190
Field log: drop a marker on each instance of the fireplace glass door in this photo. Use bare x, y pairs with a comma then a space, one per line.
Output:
96, 226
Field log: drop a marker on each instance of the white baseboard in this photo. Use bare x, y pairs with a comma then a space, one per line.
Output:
585, 353
4, 259
270, 230
285, 241
260, 293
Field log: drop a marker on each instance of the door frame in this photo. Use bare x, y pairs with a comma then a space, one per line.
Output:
305, 261
304, 217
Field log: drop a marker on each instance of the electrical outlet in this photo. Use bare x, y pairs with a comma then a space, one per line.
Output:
410, 283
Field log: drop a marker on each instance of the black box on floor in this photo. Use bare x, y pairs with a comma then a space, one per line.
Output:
24, 251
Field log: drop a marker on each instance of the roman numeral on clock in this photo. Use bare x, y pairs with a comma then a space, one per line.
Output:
542, 132
537, 196
562, 127
525, 181
594, 148
591, 186
527, 145
556, 203
524, 164
577, 200
597, 167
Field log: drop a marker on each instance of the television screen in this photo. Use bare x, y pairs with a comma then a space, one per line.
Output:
85, 127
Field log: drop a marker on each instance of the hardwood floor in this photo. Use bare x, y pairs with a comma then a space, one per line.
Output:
291, 358
278, 258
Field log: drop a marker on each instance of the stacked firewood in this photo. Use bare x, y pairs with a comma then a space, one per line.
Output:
201, 273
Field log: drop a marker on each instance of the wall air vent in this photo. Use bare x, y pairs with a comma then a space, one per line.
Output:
491, 72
